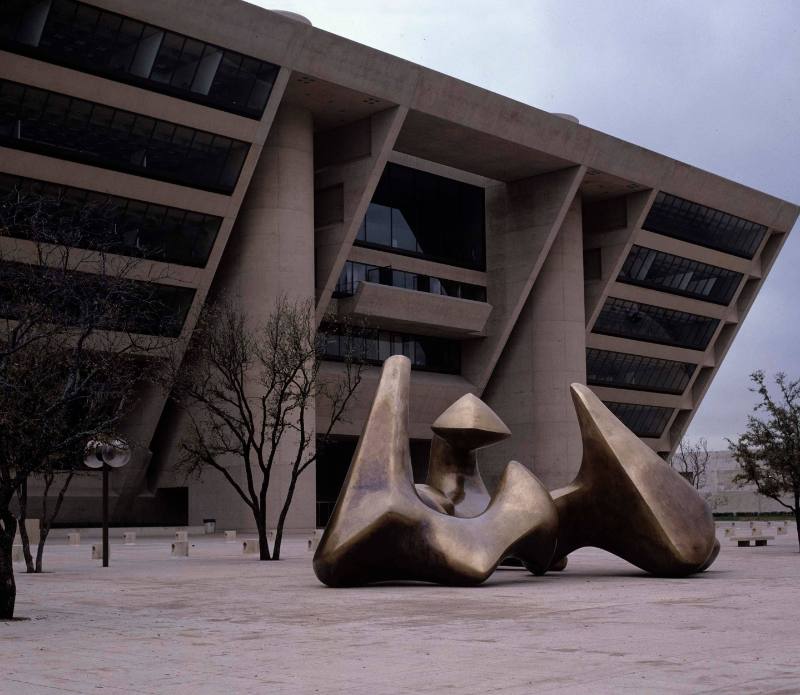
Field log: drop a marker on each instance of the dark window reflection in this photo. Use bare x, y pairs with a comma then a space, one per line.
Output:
61, 126
655, 324
698, 224
426, 215
102, 222
104, 43
132, 306
374, 346
354, 273
620, 370
677, 275
642, 420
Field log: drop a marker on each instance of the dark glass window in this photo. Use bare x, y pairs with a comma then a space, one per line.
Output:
642, 420
421, 214
678, 275
620, 370
135, 306
654, 324
103, 43
695, 223
60, 126
374, 346
97, 221
355, 273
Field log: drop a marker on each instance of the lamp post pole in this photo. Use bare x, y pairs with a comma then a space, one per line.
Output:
106, 468
106, 456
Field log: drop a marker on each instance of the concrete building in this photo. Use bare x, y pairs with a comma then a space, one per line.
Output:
508, 251
728, 497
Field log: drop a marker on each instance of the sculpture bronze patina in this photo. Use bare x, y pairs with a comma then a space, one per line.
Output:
451, 531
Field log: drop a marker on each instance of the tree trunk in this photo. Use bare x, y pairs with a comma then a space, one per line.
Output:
47, 522
22, 497
40, 548
263, 544
8, 588
797, 516
276, 551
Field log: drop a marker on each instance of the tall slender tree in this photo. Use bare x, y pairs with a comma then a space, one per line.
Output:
248, 390
768, 451
71, 351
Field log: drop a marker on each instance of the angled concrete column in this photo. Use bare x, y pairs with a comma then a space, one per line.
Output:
270, 252
271, 249
529, 388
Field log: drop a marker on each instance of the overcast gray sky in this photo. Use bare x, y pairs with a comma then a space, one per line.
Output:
715, 83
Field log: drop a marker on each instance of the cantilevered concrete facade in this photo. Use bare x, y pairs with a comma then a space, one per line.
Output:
507, 250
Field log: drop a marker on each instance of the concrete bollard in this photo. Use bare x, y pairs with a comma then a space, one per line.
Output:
313, 542
97, 551
16, 553
74, 538
129, 537
230, 536
181, 535
729, 532
180, 549
271, 536
250, 546
782, 530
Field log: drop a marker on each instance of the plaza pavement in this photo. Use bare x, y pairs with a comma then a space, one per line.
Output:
222, 622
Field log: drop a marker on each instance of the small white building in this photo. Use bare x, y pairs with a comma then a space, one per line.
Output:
726, 496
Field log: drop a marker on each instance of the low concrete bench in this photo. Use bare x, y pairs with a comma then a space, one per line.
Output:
181, 535
745, 542
230, 536
97, 551
74, 538
129, 537
250, 546
180, 549
16, 553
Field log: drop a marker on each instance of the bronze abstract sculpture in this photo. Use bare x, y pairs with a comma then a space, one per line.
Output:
451, 531
626, 500
381, 530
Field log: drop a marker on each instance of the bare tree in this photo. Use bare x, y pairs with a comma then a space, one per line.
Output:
71, 352
691, 461
768, 451
249, 395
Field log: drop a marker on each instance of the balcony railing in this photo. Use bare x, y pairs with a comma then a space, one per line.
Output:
354, 273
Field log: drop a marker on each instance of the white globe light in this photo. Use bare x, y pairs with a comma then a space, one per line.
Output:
92, 457
116, 453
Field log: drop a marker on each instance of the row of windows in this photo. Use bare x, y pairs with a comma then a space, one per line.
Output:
620, 370
131, 306
107, 44
698, 224
677, 275
354, 273
62, 126
655, 324
642, 420
374, 346
422, 214
75, 217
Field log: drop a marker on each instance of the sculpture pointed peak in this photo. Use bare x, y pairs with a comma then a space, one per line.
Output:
470, 424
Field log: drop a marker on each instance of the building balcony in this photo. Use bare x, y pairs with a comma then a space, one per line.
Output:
411, 311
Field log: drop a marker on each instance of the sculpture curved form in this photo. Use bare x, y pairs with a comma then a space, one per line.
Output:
381, 529
626, 500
